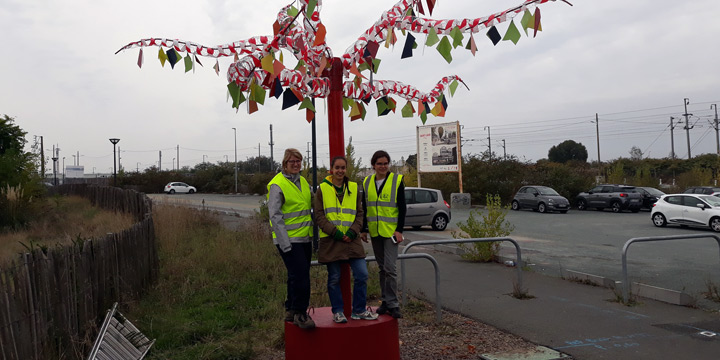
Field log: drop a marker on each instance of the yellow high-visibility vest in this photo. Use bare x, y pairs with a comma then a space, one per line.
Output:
342, 215
296, 209
382, 211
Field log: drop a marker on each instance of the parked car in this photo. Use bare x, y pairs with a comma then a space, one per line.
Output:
705, 190
650, 196
615, 197
687, 210
426, 207
179, 187
540, 198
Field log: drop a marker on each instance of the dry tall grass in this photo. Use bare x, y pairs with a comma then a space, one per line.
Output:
62, 220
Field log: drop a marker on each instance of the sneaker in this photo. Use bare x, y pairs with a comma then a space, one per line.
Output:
340, 318
367, 315
395, 312
383, 309
289, 315
303, 321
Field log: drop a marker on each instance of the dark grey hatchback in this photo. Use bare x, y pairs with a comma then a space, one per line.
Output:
540, 198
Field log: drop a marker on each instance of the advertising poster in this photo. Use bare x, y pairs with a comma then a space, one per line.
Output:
438, 147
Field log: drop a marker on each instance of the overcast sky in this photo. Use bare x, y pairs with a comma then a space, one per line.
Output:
631, 62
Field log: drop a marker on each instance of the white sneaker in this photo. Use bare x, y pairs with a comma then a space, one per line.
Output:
367, 315
340, 318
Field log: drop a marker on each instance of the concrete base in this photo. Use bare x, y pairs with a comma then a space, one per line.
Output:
354, 340
459, 201
592, 279
660, 294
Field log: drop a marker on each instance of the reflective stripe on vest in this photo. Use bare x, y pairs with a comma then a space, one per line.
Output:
382, 211
342, 215
296, 208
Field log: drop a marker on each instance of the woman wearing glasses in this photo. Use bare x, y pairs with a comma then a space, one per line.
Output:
384, 219
289, 203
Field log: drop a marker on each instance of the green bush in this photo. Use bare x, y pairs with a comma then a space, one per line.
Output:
490, 224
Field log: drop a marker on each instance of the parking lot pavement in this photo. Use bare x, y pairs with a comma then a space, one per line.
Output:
592, 242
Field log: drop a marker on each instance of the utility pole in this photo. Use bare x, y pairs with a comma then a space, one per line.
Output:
597, 135
177, 156
308, 151
42, 157
504, 152
258, 159
672, 140
119, 156
271, 143
489, 143
236, 183
160, 161
717, 134
78, 158
686, 101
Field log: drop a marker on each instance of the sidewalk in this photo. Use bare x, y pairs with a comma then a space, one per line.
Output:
583, 321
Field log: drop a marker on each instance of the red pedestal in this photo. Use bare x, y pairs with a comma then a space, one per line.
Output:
354, 340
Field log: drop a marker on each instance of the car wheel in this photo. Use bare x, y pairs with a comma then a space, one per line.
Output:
191, 191
615, 206
658, 220
439, 222
563, 211
515, 205
715, 224
541, 208
581, 205
172, 191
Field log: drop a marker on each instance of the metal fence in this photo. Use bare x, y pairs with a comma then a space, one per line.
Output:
625, 282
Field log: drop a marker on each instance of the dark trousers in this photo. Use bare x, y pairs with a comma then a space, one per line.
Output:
297, 263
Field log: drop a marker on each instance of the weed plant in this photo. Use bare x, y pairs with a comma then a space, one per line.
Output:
221, 292
61, 220
492, 223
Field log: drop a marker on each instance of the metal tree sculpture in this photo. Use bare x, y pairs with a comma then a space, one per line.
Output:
259, 70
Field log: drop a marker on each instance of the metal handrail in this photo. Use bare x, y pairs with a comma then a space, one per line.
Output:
626, 284
438, 307
460, 241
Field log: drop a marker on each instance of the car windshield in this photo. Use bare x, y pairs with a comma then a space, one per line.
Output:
714, 201
654, 191
549, 191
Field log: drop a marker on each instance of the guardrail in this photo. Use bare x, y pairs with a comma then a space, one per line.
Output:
518, 262
625, 283
438, 307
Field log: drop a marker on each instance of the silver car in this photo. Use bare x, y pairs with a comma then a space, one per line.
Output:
426, 207
540, 198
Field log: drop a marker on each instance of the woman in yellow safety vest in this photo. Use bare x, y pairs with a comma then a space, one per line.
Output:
385, 218
289, 204
339, 216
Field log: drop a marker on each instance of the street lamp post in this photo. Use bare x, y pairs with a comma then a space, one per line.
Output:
236, 183
63, 170
114, 141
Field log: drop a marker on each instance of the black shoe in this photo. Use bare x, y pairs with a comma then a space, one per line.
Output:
303, 321
289, 315
395, 312
383, 309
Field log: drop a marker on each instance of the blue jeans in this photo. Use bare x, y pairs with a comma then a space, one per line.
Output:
360, 276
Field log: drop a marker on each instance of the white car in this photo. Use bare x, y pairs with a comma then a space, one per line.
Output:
687, 210
181, 187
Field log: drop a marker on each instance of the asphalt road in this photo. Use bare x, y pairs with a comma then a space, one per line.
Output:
586, 241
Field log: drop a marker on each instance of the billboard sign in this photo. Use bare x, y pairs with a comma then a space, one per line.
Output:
74, 171
438, 147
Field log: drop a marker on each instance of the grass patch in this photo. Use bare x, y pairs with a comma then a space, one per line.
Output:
221, 292
62, 220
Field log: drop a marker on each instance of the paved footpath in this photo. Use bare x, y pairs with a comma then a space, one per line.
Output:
582, 321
